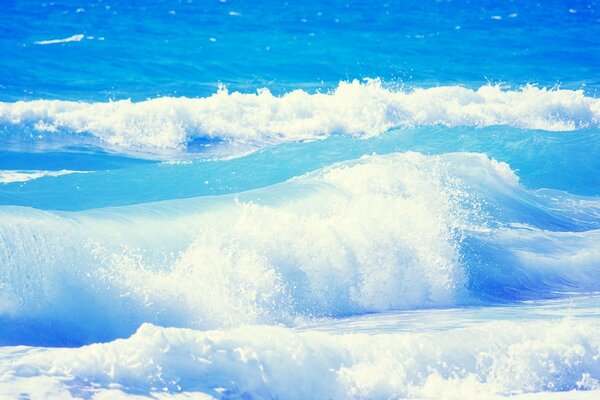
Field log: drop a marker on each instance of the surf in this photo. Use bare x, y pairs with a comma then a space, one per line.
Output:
440, 231
255, 120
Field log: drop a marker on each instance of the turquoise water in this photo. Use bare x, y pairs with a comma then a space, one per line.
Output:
229, 199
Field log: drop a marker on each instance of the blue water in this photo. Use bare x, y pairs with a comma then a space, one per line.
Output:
147, 49
235, 199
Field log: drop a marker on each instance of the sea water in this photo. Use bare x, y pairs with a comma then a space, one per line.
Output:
299, 200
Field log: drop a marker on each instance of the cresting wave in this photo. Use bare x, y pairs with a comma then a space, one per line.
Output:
353, 108
375, 235
401, 231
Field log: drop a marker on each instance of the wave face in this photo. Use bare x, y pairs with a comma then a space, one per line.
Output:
113, 180
257, 120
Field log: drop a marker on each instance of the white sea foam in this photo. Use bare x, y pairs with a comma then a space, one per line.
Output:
75, 38
10, 176
486, 361
353, 108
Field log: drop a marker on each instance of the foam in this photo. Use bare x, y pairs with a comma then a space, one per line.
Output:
260, 119
490, 360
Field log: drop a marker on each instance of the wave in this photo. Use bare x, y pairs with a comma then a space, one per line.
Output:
11, 176
501, 358
74, 38
400, 231
260, 119
573, 166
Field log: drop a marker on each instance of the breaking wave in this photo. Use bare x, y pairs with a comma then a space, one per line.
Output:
401, 231
260, 119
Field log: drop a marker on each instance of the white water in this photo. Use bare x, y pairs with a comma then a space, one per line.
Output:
353, 108
380, 233
486, 360
264, 270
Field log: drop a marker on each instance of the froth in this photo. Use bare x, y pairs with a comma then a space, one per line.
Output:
484, 361
353, 108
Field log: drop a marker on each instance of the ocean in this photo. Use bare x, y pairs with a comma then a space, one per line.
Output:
227, 199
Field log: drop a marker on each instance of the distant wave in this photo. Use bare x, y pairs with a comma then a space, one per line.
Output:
353, 108
10, 176
74, 38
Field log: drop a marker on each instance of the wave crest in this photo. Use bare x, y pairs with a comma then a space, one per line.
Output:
353, 108
401, 231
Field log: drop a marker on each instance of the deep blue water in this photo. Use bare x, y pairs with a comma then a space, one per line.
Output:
143, 49
396, 199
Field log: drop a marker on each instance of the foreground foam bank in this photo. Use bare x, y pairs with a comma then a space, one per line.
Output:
484, 361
